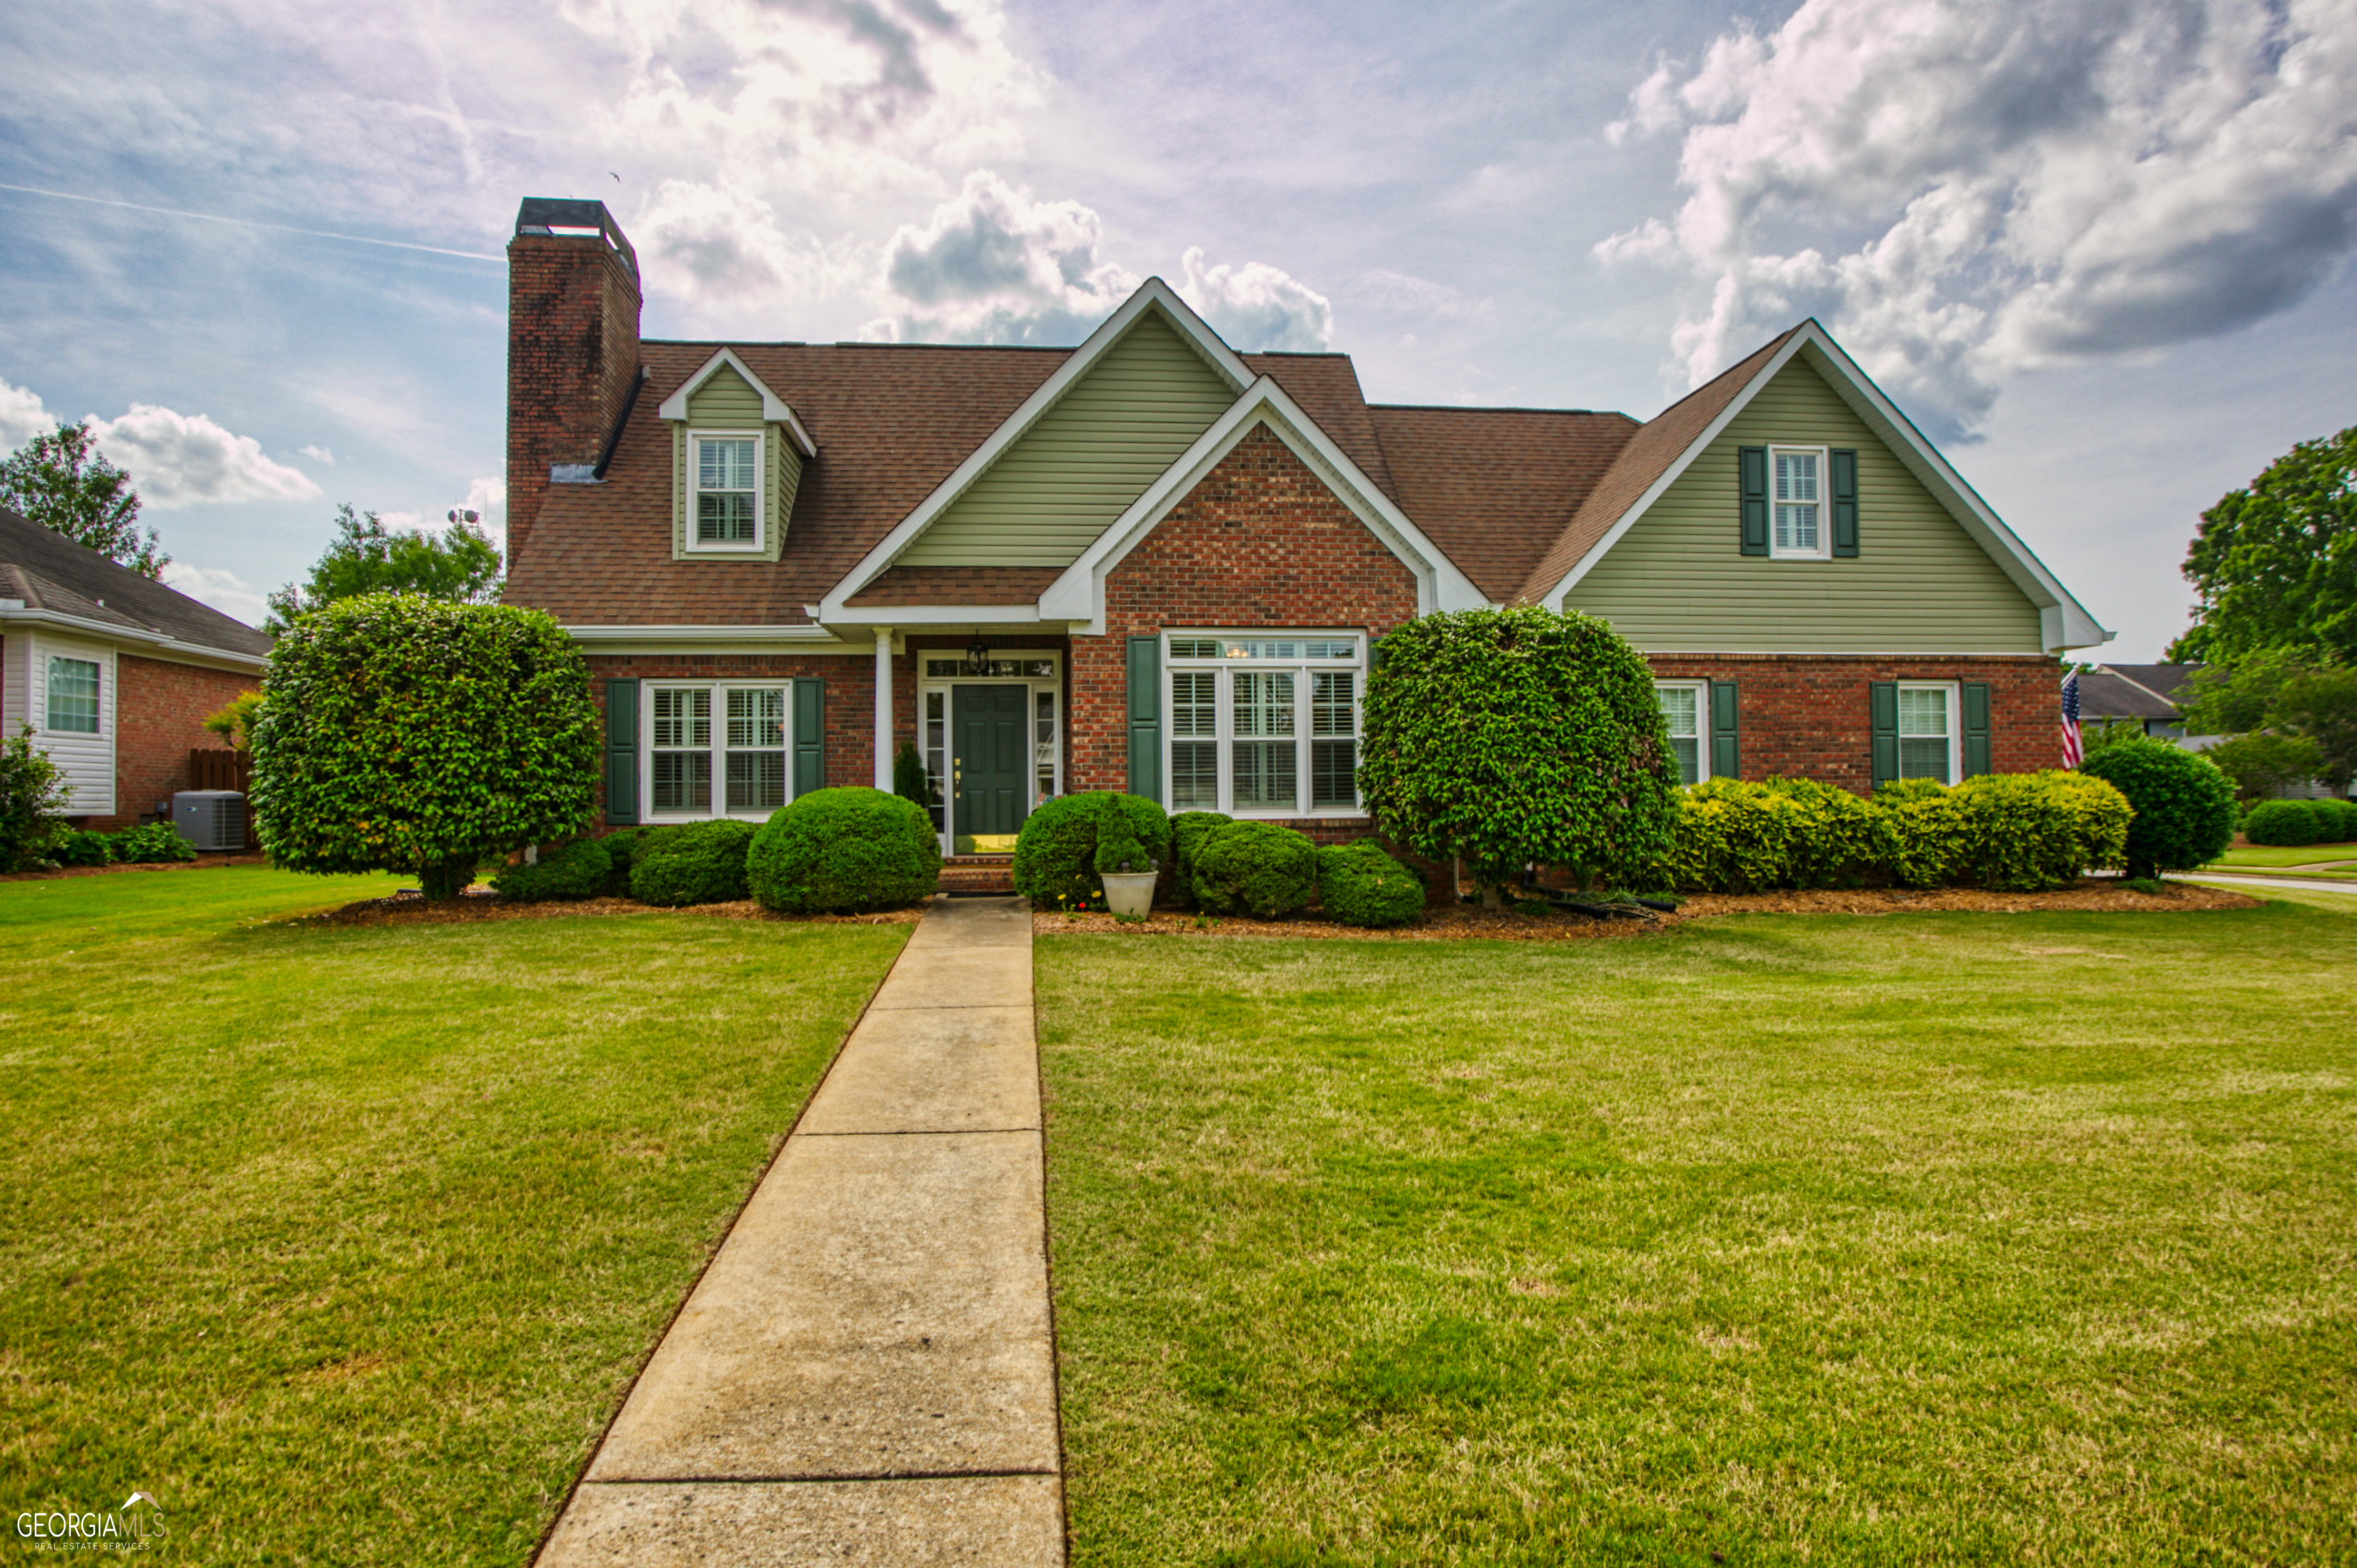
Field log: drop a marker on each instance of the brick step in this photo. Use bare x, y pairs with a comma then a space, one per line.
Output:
977, 873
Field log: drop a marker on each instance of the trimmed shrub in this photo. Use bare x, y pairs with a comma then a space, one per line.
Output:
2336, 820
1189, 830
2100, 816
406, 733
1360, 885
1837, 839
623, 849
2023, 833
845, 849
80, 846
1730, 837
33, 795
153, 843
1118, 849
2184, 807
1256, 869
2281, 823
696, 862
1929, 826
1055, 856
575, 870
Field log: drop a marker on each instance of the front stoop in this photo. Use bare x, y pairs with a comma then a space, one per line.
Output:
977, 873
866, 1374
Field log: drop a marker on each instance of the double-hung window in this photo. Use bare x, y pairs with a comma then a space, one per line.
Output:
724, 510
1684, 705
1928, 746
707, 734
72, 697
1796, 478
1265, 726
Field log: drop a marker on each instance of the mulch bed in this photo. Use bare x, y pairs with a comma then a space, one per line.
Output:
1445, 924
202, 863
409, 908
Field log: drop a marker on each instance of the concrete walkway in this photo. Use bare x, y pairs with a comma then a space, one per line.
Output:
866, 1374
2236, 879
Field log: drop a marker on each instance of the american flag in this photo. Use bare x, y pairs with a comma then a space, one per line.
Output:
2072, 755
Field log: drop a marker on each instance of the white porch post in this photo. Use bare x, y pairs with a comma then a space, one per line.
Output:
884, 708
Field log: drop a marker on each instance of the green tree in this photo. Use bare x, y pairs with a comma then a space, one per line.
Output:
2261, 762
62, 481
460, 567
1505, 737
32, 796
2294, 693
406, 734
2275, 565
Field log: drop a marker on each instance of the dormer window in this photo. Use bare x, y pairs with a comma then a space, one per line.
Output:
724, 471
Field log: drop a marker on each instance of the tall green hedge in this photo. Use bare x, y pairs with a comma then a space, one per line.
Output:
405, 734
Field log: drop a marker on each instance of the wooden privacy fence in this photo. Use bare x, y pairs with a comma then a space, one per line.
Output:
226, 770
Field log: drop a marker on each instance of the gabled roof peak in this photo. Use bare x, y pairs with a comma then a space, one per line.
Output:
774, 410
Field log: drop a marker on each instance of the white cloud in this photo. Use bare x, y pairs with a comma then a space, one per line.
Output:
1256, 306
225, 591
22, 417
995, 267
181, 459
319, 454
1963, 191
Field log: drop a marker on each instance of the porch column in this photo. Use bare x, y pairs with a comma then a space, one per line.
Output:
884, 708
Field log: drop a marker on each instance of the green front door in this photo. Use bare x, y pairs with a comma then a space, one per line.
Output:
989, 757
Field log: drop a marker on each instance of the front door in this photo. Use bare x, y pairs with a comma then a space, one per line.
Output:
989, 757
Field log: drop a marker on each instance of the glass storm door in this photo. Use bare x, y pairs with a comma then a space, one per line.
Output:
990, 756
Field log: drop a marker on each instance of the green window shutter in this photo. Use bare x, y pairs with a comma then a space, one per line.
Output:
1146, 717
1725, 762
1844, 487
1751, 467
809, 736
1885, 715
1976, 727
622, 752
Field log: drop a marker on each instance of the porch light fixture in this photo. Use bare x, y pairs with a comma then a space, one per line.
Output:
977, 656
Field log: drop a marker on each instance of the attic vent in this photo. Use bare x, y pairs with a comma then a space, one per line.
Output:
573, 473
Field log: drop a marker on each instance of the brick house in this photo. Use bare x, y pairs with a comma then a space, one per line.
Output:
114, 672
1154, 564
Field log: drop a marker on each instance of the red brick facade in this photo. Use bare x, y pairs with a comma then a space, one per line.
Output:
573, 354
1807, 715
159, 710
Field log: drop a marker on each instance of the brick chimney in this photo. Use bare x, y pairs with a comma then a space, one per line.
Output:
573, 349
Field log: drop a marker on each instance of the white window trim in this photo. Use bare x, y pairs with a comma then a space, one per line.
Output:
1052, 682
1954, 708
719, 748
1701, 689
104, 679
1224, 691
693, 461
1823, 503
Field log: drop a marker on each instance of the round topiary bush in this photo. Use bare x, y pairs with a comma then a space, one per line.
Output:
405, 734
1258, 868
2336, 820
1187, 831
574, 870
1055, 856
2281, 823
1359, 885
2184, 807
845, 849
698, 863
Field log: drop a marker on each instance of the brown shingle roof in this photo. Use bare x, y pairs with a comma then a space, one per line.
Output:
50, 572
1327, 388
1648, 455
954, 586
2104, 695
1494, 487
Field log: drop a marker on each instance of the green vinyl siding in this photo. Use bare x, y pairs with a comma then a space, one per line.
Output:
729, 402
1678, 581
1063, 481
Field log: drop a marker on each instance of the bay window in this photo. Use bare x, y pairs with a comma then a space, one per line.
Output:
1263, 725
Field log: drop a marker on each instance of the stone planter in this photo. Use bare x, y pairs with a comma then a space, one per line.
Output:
1130, 893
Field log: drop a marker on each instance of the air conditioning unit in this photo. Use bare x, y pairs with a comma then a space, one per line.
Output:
212, 820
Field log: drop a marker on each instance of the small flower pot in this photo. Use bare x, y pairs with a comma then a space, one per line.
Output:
1130, 893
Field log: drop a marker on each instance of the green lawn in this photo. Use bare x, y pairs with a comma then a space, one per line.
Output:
344, 1243
1924, 1239
2286, 854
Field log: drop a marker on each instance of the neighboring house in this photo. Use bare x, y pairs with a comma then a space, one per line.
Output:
2146, 695
114, 671
1152, 563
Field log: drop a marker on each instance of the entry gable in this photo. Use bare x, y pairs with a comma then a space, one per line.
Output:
1064, 466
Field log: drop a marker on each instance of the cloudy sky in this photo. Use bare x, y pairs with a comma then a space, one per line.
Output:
2098, 248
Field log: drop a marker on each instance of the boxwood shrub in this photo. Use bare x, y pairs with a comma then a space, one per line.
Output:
2184, 806
1256, 869
1055, 856
1360, 885
2027, 833
574, 870
843, 850
2336, 820
1928, 828
2281, 823
1187, 831
1730, 837
1837, 839
696, 862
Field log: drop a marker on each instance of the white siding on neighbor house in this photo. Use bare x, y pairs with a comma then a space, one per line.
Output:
87, 760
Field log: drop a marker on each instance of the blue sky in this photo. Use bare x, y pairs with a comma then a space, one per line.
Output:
2098, 248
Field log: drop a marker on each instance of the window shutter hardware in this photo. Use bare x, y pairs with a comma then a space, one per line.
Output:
809, 736
1752, 474
1845, 488
1883, 706
1146, 717
623, 753
1975, 695
1726, 727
